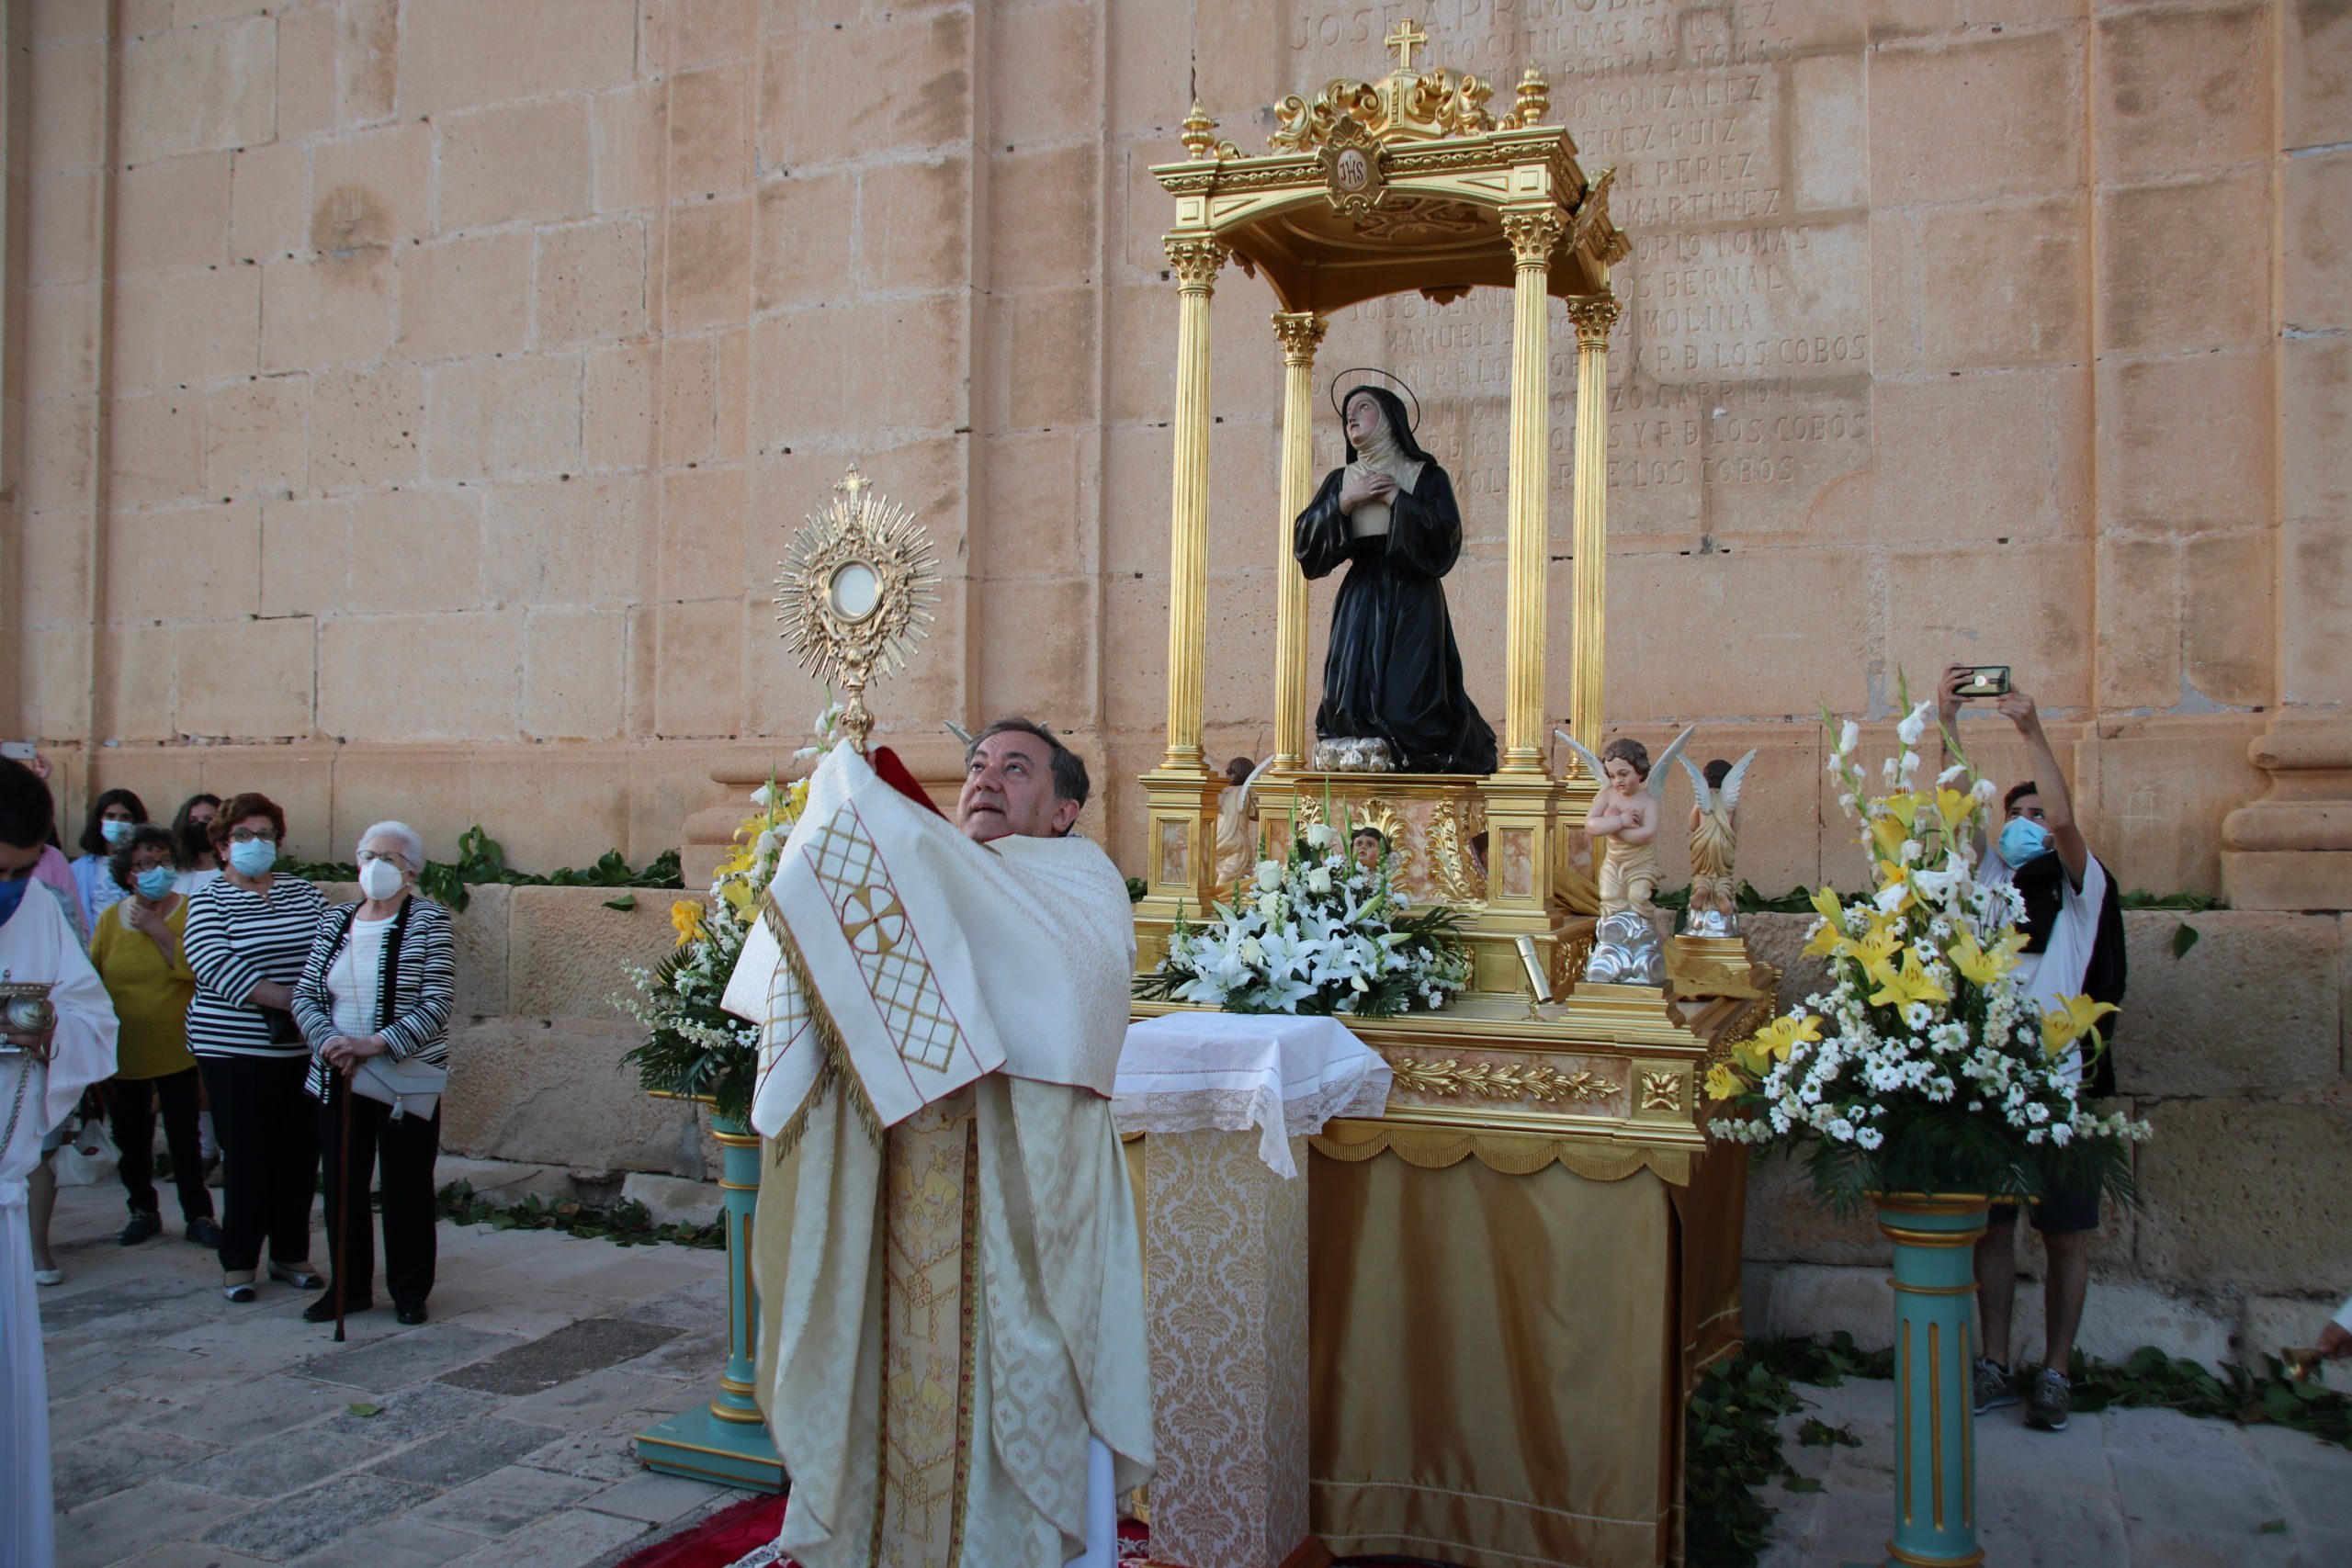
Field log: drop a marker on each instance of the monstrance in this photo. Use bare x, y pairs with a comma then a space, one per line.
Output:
855, 589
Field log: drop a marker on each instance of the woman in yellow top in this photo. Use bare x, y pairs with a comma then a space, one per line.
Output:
136, 949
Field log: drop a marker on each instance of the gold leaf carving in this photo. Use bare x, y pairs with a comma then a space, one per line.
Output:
1661, 1091
1447, 1078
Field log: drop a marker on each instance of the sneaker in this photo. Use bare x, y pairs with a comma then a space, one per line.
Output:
1995, 1385
141, 1226
204, 1232
2053, 1399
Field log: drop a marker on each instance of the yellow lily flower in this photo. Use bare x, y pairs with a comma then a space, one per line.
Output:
1890, 875
1781, 1036
685, 916
1829, 937
1828, 905
1955, 806
739, 894
1724, 1081
1887, 834
1985, 966
1911, 984
1752, 1058
2075, 1018
1876, 951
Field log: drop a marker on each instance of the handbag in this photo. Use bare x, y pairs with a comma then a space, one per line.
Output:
411, 1089
88, 1158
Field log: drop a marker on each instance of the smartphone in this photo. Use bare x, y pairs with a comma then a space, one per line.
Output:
19, 751
1986, 681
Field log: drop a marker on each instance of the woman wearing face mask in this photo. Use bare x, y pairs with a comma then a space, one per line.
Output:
247, 935
192, 850
379, 982
112, 817
136, 951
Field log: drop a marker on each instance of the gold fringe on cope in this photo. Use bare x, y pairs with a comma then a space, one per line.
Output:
835, 1067
1512, 1154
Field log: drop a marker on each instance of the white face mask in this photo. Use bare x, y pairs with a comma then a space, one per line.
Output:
380, 879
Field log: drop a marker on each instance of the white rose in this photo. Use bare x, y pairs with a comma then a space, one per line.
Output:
1319, 834
1318, 881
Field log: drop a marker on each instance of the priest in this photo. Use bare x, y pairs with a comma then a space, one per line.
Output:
951, 1356
45, 1064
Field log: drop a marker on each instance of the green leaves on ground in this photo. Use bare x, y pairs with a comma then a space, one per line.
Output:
1733, 1423
2184, 937
2149, 1377
364, 1409
482, 861
625, 1224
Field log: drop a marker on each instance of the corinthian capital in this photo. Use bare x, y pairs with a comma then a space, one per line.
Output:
1196, 258
1595, 316
1534, 235
1299, 331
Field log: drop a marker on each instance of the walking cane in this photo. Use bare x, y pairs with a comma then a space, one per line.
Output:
342, 1196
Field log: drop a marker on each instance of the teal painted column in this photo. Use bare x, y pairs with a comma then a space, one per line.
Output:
1935, 1431
726, 1440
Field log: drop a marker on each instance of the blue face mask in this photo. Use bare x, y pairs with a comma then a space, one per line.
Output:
116, 832
155, 881
253, 857
2023, 839
12, 893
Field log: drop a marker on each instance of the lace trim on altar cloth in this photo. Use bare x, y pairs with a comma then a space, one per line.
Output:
1237, 1109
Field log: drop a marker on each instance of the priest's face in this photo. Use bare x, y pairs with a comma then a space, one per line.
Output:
1009, 790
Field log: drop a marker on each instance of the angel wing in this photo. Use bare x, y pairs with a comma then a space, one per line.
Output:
1656, 783
1591, 762
1732, 779
1699, 783
960, 733
1250, 782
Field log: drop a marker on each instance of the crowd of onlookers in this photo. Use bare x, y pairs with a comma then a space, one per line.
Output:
270, 1033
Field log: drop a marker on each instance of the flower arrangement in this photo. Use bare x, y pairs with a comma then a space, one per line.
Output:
694, 1048
1315, 933
1925, 1065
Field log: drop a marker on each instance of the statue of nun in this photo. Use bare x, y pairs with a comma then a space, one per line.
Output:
1392, 672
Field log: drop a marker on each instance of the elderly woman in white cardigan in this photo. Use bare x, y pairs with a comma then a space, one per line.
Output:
378, 986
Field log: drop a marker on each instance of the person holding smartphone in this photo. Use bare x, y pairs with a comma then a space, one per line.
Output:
2073, 927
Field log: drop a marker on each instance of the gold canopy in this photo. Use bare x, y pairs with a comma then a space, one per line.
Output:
1406, 184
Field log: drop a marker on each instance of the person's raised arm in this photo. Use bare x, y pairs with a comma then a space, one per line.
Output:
2049, 784
1948, 701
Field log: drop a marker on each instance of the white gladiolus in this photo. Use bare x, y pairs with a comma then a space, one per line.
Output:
1848, 737
1914, 725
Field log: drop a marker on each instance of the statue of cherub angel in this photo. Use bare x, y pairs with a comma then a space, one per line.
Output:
1714, 841
1625, 814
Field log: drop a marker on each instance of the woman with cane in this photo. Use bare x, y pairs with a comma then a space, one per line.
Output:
375, 999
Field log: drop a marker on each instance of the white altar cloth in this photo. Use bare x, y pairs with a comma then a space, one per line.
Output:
1284, 1075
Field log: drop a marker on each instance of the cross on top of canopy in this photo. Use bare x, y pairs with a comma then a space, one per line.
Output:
1409, 184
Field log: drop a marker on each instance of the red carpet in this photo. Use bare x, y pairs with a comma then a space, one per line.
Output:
736, 1532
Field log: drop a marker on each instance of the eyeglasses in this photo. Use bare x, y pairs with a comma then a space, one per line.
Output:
252, 836
370, 857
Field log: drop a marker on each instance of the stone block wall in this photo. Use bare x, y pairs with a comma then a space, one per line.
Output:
2239, 1054
402, 405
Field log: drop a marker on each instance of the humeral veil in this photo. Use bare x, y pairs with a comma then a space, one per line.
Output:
950, 1277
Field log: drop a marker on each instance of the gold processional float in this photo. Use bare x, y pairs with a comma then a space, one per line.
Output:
1519, 1270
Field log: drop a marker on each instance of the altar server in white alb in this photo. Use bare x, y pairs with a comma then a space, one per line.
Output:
952, 1355
43, 1074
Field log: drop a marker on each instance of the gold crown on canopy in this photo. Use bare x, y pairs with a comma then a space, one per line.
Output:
1406, 104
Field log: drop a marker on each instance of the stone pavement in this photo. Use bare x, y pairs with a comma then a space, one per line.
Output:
189, 1433
2118, 1489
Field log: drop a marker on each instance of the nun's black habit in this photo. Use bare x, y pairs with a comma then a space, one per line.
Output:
1393, 669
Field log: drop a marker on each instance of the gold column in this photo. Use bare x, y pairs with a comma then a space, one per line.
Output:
1196, 258
1533, 235
1299, 331
1181, 791
1595, 316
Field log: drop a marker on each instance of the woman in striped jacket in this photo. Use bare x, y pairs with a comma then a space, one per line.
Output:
380, 980
247, 935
